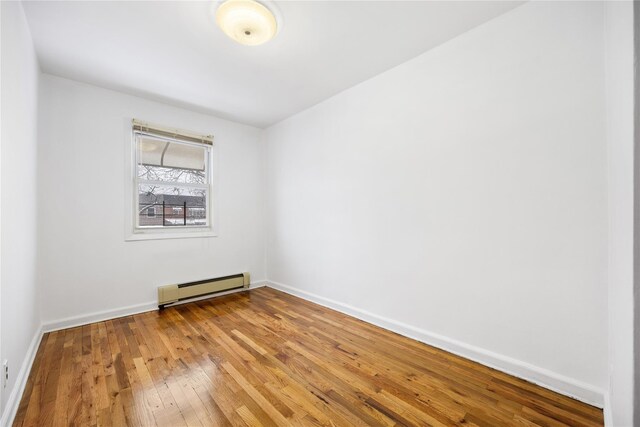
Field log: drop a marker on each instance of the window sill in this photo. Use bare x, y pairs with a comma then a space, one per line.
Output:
134, 237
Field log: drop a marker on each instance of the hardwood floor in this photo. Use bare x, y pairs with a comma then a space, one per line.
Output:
266, 358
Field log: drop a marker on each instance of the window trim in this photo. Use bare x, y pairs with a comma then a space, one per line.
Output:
132, 231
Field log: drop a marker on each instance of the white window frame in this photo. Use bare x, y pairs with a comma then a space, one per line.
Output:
133, 231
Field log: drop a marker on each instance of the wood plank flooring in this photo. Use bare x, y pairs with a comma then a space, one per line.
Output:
265, 358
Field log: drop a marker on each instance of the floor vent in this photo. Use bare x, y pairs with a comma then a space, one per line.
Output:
174, 293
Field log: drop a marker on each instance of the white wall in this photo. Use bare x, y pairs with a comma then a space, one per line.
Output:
85, 264
619, 84
20, 318
462, 196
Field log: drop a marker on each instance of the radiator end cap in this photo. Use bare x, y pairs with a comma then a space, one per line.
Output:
167, 294
247, 280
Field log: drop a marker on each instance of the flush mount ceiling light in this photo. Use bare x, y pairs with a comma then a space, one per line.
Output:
246, 21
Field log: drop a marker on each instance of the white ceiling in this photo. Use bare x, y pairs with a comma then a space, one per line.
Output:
172, 51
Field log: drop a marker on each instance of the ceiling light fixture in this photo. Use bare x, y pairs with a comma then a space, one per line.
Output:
246, 21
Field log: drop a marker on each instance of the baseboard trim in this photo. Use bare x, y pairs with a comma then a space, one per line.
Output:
13, 401
608, 416
100, 316
541, 376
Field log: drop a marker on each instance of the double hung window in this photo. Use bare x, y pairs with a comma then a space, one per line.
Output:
172, 179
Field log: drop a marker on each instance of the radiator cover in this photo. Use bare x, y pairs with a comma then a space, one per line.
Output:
173, 293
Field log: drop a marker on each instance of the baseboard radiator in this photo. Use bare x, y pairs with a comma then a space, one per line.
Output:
173, 293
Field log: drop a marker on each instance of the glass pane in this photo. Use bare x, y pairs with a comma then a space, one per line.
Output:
184, 156
171, 206
158, 173
162, 160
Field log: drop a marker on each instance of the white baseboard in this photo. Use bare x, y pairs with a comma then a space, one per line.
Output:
541, 376
13, 401
608, 417
99, 316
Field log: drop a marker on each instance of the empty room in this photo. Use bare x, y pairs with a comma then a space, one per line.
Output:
319, 213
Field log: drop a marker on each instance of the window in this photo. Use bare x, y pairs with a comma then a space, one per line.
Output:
172, 180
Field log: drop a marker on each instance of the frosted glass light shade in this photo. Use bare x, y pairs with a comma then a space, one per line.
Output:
246, 21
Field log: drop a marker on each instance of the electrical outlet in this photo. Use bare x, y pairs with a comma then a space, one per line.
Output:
5, 373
